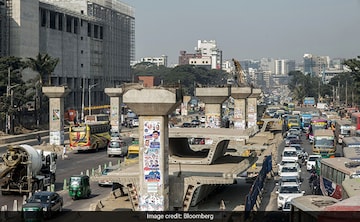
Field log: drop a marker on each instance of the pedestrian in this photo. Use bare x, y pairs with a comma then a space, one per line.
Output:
64, 152
38, 137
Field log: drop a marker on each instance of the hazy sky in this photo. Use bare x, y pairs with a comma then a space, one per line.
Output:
253, 29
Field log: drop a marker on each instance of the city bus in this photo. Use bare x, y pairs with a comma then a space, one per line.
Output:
333, 171
93, 134
352, 153
324, 143
343, 129
352, 141
305, 121
315, 124
347, 210
291, 107
355, 121
308, 208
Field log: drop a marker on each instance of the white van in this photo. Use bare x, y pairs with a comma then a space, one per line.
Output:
290, 153
117, 148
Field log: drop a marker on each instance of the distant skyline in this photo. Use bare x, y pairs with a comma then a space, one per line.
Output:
279, 29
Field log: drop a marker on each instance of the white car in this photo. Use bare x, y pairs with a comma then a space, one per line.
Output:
290, 153
311, 161
287, 191
300, 151
283, 163
291, 170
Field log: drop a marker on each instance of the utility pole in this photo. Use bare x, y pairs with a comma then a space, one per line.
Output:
90, 87
83, 100
346, 95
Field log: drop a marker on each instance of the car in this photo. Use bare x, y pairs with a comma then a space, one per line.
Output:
195, 122
311, 161
294, 131
286, 191
115, 135
290, 153
51, 202
117, 148
107, 182
291, 137
284, 162
284, 179
287, 205
299, 150
291, 169
186, 125
202, 119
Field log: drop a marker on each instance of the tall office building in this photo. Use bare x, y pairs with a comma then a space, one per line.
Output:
93, 39
284, 66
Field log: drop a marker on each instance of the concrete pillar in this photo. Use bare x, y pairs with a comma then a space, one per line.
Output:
240, 112
251, 106
115, 107
213, 98
56, 96
153, 105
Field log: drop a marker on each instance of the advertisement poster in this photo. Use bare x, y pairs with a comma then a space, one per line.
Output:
151, 157
56, 114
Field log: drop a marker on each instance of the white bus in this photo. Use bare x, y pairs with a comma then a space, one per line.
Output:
343, 128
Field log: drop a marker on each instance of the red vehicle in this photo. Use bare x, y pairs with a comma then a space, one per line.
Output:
355, 121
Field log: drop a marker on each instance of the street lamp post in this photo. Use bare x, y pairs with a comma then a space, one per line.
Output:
90, 87
8, 119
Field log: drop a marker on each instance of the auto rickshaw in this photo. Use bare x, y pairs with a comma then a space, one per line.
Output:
32, 212
79, 187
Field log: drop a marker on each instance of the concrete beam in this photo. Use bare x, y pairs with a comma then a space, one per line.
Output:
152, 101
255, 93
55, 91
114, 92
240, 92
213, 95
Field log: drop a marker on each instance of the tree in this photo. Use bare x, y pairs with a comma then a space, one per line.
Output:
10, 76
44, 65
354, 66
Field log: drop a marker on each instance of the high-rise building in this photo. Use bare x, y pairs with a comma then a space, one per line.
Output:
93, 39
284, 66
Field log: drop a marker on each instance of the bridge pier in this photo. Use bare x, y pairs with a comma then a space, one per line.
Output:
115, 95
240, 94
251, 106
152, 105
213, 97
56, 96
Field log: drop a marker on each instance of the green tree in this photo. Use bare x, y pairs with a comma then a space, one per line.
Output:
12, 88
45, 66
354, 66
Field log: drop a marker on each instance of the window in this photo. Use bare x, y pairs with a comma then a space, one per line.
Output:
68, 23
76, 25
101, 32
52, 20
89, 29
61, 22
43, 17
96, 31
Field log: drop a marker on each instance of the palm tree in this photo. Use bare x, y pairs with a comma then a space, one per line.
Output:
44, 65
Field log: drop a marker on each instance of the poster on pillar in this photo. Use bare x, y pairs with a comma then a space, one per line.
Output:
212, 120
151, 198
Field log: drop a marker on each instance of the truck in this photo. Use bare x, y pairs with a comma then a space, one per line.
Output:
25, 170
